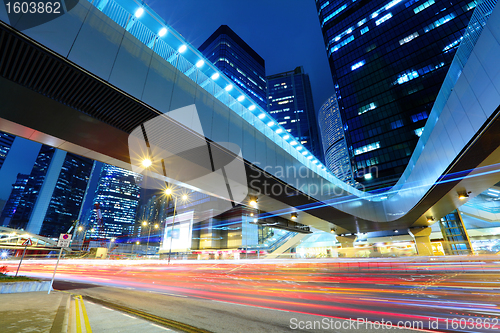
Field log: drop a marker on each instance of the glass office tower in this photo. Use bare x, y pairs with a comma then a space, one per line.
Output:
47, 202
117, 195
290, 103
388, 61
228, 52
334, 144
6, 141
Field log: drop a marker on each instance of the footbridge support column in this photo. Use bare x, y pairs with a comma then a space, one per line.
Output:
347, 243
422, 240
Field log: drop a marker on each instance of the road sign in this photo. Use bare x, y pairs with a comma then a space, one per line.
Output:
64, 240
28, 242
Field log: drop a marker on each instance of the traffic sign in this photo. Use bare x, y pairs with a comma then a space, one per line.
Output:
64, 240
28, 242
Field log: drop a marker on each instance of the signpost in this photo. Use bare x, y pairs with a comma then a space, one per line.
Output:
64, 240
26, 243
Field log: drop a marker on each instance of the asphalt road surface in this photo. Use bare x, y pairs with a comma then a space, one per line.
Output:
280, 296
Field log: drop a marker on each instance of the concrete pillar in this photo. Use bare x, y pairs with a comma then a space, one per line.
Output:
347, 243
422, 240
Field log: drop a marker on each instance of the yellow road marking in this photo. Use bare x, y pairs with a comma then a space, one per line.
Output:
78, 324
88, 329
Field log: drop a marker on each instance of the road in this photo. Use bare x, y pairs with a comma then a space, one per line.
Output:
374, 294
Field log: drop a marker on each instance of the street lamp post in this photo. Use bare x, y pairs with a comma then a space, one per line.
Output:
184, 197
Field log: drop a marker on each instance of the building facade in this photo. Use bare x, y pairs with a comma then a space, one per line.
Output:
238, 61
6, 141
115, 203
47, 202
388, 61
290, 103
333, 139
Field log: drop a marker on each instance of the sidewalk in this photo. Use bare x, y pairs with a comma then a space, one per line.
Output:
90, 317
34, 312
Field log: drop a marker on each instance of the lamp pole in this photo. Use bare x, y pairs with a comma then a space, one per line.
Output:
172, 231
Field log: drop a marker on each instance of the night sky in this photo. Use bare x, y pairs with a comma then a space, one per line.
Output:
286, 33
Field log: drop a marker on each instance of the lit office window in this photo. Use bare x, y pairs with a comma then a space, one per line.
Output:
329, 17
383, 19
423, 6
408, 76
419, 131
366, 108
439, 22
357, 65
408, 38
367, 148
364, 30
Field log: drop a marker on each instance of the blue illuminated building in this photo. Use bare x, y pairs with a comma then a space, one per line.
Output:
47, 202
388, 61
334, 144
117, 193
290, 103
6, 141
235, 58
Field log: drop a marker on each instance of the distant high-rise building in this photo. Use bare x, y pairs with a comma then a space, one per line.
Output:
388, 60
48, 201
290, 102
15, 197
238, 61
334, 144
67, 196
6, 141
117, 195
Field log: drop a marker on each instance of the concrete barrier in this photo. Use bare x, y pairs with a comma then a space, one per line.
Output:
24, 287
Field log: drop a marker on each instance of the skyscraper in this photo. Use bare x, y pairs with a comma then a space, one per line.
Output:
334, 144
47, 202
117, 195
388, 60
290, 102
15, 197
6, 141
228, 52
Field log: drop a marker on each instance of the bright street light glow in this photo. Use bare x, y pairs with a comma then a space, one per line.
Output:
215, 76
253, 203
112, 239
137, 242
262, 116
200, 63
184, 197
156, 226
168, 191
146, 162
241, 98
139, 12
251, 107
271, 123
80, 228
228, 87
279, 130
4, 254
183, 48
144, 223
162, 32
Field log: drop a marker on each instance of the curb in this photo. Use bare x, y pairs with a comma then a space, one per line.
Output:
61, 320
24, 287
